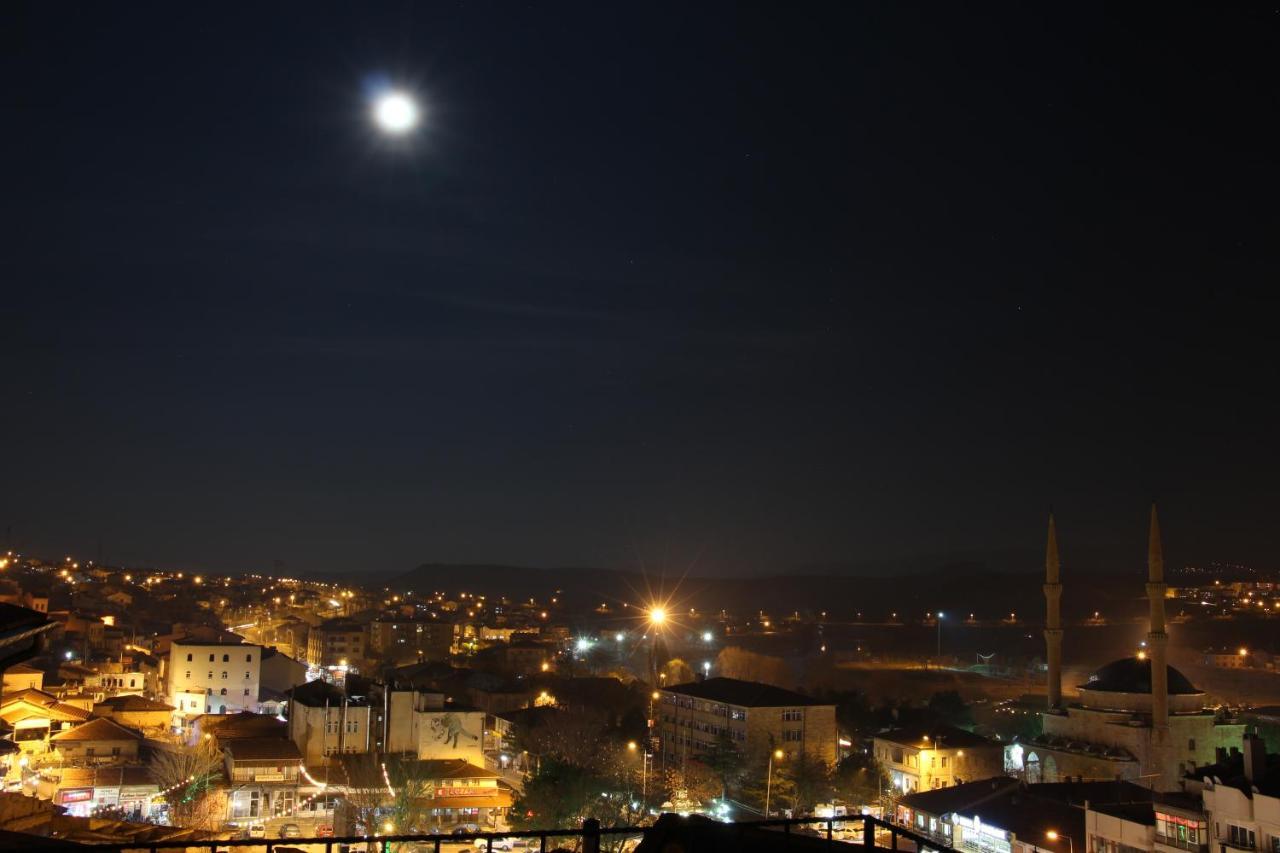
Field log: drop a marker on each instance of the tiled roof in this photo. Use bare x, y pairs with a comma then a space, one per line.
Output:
928, 736
29, 694
134, 703
9, 706
263, 749
745, 694
431, 769
241, 725
99, 729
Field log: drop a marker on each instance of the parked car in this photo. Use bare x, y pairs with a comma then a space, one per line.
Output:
258, 830
500, 843
466, 829
324, 830
290, 830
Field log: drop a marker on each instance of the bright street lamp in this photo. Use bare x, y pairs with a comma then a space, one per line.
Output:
396, 113
1052, 835
768, 780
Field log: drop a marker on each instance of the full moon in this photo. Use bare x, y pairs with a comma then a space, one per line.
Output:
396, 113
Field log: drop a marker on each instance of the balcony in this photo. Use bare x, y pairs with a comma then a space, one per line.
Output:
1190, 846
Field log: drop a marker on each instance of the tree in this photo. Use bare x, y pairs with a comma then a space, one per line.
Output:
186, 777
736, 662
677, 672
562, 795
726, 762
806, 781
860, 780
949, 708
697, 781
364, 790
577, 737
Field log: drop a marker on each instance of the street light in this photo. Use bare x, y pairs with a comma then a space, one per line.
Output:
940, 615
768, 780
657, 616
644, 773
1052, 835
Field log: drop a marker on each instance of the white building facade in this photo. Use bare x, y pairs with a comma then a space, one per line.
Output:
213, 678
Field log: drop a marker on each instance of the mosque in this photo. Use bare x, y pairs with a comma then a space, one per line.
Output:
1136, 718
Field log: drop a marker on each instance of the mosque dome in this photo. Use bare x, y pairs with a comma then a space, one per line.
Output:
1133, 675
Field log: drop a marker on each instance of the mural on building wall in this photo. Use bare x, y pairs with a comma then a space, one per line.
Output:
452, 734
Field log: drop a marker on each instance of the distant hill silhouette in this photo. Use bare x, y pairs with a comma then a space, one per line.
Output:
959, 587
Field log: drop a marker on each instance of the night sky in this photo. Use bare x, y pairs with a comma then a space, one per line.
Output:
745, 289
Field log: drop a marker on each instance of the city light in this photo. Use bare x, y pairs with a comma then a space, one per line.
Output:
657, 615
707, 636
396, 113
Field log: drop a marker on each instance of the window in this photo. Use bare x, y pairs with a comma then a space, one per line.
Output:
248, 658
224, 675
793, 735
246, 691
89, 751
210, 658
1191, 744
223, 692
1239, 836
188, 673
188, 658
792, 715
115, 750
246, 676
226, 658
131, 683
944, 761
211, 676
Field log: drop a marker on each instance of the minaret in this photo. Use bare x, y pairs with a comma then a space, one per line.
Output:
1157, 639
1053, 616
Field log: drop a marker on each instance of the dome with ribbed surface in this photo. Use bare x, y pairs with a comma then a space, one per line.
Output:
1132, 675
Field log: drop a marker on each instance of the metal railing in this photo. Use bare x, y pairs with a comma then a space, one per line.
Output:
864, 828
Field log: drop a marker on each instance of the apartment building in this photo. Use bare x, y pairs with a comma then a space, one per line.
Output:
755, 717
325, 721
926, 758
336, 642
407, 640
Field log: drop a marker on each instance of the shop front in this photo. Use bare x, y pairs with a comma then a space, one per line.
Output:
77, 801
481, 804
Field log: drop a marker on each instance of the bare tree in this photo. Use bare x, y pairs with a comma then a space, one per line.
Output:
186, 776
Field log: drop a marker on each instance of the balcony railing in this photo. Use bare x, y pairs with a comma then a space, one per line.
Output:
867, 832
1193, 846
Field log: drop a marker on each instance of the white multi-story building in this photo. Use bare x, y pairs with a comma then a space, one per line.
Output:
1244, 812
213, 678
324, 721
